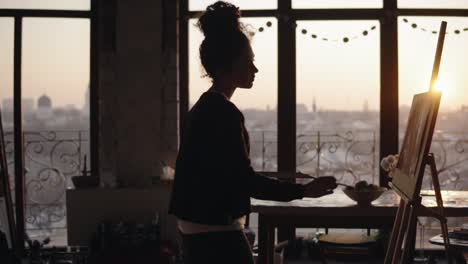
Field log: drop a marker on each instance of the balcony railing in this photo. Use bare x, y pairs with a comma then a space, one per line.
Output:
451, 154
350, 155
354, 155
53, 157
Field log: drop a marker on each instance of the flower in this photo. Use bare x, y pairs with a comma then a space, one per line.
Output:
389, 163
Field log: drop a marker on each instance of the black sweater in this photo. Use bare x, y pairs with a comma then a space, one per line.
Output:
213, 176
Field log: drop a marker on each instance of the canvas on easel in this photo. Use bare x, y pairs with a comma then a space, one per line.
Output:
408, 175
7, 224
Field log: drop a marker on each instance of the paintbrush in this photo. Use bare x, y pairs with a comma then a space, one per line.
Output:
338, 183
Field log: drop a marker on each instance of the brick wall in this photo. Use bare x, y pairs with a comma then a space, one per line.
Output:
138, 90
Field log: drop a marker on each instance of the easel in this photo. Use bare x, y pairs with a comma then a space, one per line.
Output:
401, 245
6, 214
404, 229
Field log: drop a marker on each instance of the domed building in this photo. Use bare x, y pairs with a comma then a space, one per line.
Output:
44, 107
44, 102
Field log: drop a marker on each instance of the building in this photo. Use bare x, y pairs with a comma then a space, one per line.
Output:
27, 105
44, 107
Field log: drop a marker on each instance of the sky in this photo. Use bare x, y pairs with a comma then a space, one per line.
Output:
337, 75
56, 59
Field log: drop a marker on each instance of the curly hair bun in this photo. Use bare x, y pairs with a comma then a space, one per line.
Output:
220, 18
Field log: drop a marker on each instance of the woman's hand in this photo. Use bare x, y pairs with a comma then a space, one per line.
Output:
320, 186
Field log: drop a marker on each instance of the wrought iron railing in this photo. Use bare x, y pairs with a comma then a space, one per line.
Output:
350, 156
53, 157
451, 154
354, 155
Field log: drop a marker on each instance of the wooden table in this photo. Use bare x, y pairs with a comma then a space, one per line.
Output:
459, 246
338, 211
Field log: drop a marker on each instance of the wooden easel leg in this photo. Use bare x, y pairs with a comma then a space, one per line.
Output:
401, 233
443, 225
410, 238
395, 229
402, 242
440, 205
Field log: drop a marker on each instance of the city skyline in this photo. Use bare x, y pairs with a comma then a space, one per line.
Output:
30, 104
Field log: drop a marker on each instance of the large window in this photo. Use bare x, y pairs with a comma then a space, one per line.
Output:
6, 88
55, 84
6, 68
417, 45
53, 57
417, 41
342, 76
6, 71
338, 91
347, 63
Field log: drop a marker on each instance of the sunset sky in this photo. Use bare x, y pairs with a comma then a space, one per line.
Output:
340, 76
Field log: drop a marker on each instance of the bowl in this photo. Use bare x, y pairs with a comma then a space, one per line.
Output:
364, 197
84, 182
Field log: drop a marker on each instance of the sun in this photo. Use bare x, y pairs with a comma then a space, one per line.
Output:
443, 85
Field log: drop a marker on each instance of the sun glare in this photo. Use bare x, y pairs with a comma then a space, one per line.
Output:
443, 85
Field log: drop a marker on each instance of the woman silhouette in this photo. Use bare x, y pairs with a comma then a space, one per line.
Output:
213, 177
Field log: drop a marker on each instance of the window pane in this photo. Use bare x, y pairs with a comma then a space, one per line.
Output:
457, 4
416, 49
338, 91
56, 62
259, 103
47, 4
6, 71
196, 5
416, 57
6, 91
337, 4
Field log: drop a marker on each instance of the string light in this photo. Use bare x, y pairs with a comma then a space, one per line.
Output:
415, 25
365, 33
304, 31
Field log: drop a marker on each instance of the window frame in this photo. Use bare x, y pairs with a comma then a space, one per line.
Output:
287, 16
18, 15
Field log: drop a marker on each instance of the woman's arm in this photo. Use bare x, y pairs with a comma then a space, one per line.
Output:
241, 178
245, 179
266, 188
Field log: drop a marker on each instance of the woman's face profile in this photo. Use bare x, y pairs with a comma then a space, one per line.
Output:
244, 69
